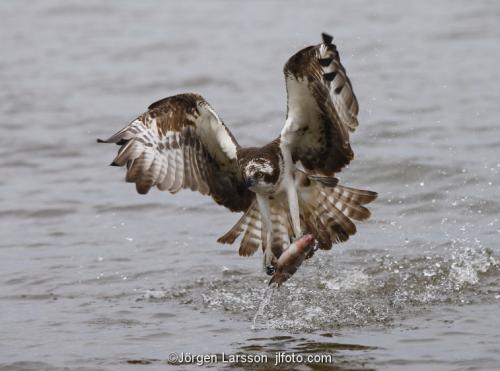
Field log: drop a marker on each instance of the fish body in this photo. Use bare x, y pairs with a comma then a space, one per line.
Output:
291, 259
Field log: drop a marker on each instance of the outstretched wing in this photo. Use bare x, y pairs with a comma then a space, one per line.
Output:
322, 109
180, 142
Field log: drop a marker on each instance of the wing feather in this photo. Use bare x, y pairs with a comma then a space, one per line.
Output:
180, 142
322, 109
164, 185
179, 171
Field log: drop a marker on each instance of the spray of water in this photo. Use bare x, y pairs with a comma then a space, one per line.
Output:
266, 299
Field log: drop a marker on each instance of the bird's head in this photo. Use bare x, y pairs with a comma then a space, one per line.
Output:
261, 174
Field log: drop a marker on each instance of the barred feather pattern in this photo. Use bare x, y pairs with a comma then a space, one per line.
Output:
181, 143
250, 225
282, 228
331, 211
327, 211
171, 163
254, 232
252, 238
321, 109
340, 87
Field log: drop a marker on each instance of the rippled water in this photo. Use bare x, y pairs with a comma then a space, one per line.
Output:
94, 276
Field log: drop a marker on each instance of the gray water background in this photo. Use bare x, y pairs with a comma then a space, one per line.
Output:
96, 277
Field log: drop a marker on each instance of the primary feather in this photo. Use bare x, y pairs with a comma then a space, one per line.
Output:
180, 142
322, 109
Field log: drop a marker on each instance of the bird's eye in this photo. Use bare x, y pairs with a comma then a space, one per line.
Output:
259, 174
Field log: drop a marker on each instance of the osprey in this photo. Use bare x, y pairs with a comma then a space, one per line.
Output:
286, 188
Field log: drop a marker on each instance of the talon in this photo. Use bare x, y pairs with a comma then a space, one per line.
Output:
269, 260
313, 250
270, 270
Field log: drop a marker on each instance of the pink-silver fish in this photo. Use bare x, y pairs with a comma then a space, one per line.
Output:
291, 259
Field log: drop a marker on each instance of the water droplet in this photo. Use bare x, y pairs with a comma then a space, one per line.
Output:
428, 273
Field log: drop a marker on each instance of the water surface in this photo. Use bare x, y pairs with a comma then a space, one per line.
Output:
96, 277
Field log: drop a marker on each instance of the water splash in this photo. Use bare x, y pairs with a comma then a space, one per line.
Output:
360, 288
266, 299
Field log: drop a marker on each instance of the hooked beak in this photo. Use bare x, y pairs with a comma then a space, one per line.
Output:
250, 182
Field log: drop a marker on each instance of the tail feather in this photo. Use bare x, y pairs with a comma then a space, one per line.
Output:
254, 232
250, 226
327, 210
252, 239
316, 226
355, 196
331, 208
337, 224
237, 229
348, 207
282, 230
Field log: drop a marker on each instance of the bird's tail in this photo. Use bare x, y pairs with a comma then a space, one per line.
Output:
250, 225
254, 233
328, 210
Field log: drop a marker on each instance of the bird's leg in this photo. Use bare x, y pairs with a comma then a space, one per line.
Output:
293, 205
290, 186
265, 213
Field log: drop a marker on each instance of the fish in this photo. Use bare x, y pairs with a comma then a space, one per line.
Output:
292, 258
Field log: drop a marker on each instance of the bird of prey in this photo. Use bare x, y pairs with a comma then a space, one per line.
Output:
286, 188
